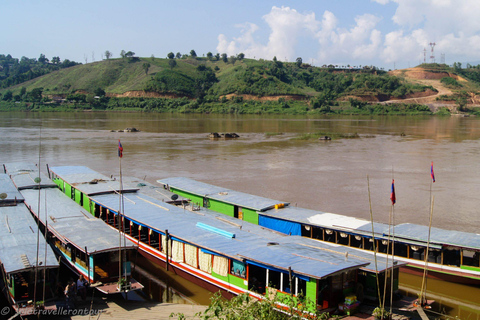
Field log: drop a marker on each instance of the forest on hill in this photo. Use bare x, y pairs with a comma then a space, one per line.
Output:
215, 83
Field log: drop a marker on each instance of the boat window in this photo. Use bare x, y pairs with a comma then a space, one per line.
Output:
143, 234
238, 269
177, 251
356, 241
471, 258
451, 257
384, 246
401, 249
285, 278
368, 242
330, 235
154, 239
417, 253
343, 238
205, 261
191, 255
220, 265
274, 280
257, 276
134, 230
301, 287
306, 231
317, 233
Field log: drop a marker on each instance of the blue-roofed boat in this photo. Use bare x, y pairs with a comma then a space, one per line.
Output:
221, 252
85, 244
452, 255
22, 261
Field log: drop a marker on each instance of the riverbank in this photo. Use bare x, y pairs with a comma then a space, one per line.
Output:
236, 106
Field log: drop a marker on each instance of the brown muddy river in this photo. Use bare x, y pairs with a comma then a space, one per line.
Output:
267, 161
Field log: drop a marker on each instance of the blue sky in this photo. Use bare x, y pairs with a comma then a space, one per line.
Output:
385, 33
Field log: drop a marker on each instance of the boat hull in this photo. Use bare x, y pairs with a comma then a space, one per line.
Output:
450, 276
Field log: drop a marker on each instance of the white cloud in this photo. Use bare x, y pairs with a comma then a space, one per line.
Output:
342, 46
453, 25
286, 25
371, 39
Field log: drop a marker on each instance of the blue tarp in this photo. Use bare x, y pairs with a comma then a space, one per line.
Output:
283, 226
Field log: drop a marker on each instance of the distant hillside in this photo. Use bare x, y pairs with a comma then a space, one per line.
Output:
189, 76
212, 82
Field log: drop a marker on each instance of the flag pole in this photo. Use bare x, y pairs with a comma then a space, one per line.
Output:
373, 238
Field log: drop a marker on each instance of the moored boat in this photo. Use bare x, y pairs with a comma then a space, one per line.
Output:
220, 252
85, 244
27, 263
453, 255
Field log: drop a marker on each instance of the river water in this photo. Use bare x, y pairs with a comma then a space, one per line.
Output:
268, 161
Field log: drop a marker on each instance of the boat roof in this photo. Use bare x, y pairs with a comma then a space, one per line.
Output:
438, 236
18, 236
250, 242
202, 189
153, 190
327, 220
7, 187
24, 176
89, 181
71, 223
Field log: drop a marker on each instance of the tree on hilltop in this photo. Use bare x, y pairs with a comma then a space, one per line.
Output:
145, 67
240, 56
193, 53
170, 55
209, 56
178, 55
108, 54
299, 62
224, 57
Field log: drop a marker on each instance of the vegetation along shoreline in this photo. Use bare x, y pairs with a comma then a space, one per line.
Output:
234, 85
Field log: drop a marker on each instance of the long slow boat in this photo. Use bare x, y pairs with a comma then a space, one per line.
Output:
453, 256
218, 252
85, 244
28, 264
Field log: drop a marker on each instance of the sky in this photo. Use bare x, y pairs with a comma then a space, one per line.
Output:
389, 34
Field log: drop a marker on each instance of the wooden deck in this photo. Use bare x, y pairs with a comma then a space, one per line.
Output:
118, 308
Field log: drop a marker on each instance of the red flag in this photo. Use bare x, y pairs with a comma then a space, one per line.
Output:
392, 195
431, 173
120, 149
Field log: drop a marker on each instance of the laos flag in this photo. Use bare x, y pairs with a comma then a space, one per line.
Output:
431, 172
120, 149
392, 195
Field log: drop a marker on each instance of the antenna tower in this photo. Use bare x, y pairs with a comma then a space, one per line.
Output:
432, 56
424, 55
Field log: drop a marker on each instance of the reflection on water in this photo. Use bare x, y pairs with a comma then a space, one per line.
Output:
165, 286
451, 299
329, 176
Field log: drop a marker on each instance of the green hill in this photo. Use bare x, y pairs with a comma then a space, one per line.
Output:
205, 85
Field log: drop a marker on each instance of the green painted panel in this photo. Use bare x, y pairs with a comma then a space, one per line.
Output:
220, 207
239, 282
59, 183
250, 216
195, 199
78, 196
311, 293
470, 268
68, 190
216, 275
87, 204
